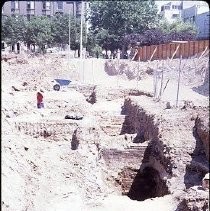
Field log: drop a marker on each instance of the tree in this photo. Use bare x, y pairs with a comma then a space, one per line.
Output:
38, 32
112, 20
42, 31
60, 31
177, 26
13, 29
164, 33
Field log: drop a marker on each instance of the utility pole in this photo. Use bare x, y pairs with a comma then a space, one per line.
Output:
82, 68
81, 22
69, 36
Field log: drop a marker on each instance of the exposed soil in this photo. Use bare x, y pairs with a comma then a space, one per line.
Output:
126, 152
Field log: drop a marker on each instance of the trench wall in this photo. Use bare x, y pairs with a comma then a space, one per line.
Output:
147, 149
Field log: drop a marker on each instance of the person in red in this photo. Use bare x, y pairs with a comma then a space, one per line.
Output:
40, 103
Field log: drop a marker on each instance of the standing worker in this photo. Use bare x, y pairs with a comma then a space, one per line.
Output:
39, 95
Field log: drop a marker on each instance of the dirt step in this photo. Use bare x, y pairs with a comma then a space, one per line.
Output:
113, 130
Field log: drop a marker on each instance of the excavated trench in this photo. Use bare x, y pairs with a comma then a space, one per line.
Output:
139, 170
136, 176
147, 184
140, 185
137, 166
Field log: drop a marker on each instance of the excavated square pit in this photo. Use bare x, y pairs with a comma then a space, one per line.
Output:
146, 184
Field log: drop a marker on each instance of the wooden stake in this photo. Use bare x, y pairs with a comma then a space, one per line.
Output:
118, 64
161, 86
92, 71
175, 52
177, 96
155, 81
153, 53
165, 85
134, 55
138, 72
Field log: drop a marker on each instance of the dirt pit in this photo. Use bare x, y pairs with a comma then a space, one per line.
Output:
99, 162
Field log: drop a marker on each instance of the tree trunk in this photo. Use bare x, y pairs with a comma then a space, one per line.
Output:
28, 46
78, 52
123, 52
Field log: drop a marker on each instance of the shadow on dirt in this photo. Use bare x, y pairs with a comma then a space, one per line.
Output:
202, 90
198, 166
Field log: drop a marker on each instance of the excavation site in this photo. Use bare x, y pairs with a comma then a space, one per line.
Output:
106, 141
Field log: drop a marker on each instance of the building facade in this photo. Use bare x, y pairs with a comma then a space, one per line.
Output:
41, 8
171, 10
198, 15
195, 12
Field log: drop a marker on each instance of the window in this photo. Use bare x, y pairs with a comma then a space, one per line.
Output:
162, 8
167, 7
30, 5
60, 5
78, 8
46, 5
176, 7
14, 5
175, 15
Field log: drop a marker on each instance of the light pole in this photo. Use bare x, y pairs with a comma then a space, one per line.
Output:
69, 37
81, 22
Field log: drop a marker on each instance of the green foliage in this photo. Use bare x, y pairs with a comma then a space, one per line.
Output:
112, 20
60, 29
96, 50
42, 31
164, 33
13, 29
38, 31
177, 26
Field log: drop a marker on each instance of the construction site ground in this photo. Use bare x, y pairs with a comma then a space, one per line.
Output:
100, 161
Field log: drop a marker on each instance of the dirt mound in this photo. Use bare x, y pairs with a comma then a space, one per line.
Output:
125, 67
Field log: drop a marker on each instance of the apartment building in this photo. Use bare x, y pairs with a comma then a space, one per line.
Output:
199, 15
171, 10
42, 8
196, 12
